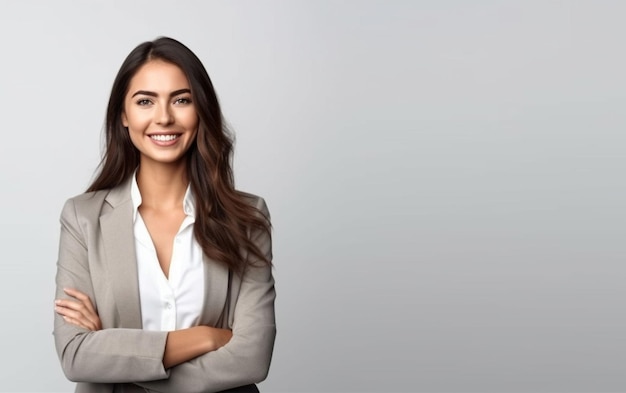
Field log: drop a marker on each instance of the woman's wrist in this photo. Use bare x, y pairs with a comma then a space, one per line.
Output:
218, 337
186, 344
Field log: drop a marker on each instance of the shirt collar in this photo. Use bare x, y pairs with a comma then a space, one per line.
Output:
189, 203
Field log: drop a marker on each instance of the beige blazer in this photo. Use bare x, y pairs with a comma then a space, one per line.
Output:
97, 257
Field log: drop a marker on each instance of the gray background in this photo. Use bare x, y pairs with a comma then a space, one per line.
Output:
446, 180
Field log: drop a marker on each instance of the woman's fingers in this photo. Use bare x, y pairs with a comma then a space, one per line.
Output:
84, 299
79, 312
75, 317
77, 322
72, 313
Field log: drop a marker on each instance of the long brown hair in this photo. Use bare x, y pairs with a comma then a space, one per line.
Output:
224, 216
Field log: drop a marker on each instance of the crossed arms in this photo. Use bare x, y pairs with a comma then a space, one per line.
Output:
198, 359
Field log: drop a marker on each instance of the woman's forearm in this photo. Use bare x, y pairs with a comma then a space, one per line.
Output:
180, 346
186, 344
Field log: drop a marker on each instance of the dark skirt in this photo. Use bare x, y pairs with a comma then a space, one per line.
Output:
132, 388
242, 389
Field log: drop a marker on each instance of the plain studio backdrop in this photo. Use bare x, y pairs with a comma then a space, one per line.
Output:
446, 180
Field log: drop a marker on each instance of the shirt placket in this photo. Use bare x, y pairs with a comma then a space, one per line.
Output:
168, 300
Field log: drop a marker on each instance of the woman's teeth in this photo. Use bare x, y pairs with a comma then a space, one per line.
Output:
163, 138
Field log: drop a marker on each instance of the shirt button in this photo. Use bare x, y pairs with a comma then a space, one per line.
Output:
168, 305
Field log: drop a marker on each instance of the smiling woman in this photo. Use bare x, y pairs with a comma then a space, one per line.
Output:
162, 117
164, 278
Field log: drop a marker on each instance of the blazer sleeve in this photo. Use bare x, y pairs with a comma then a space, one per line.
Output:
246, 358
108, 355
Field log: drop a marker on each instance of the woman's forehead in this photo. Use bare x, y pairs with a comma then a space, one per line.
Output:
160, 77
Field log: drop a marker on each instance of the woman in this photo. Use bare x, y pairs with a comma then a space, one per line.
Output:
164, 278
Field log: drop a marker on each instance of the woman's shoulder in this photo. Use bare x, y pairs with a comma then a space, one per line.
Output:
92, 203
253, 200
115, 195
82, 210
88, 198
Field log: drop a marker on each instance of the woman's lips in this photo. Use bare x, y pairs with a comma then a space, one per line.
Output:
164, 139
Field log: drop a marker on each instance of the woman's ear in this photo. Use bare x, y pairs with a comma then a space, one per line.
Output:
124, 120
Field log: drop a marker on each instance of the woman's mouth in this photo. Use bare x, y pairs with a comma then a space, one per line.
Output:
164, 137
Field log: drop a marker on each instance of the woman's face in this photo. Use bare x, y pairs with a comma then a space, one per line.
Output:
159, 113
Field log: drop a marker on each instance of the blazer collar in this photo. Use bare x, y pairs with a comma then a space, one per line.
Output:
120, 194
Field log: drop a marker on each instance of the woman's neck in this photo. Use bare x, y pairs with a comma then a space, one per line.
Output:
162, 186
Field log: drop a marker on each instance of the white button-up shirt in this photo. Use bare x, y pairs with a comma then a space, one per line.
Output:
176, 302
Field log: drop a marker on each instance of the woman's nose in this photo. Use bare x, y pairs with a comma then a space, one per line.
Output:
163, 115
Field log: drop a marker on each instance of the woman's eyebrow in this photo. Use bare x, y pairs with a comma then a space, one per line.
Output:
153, 94
180, 91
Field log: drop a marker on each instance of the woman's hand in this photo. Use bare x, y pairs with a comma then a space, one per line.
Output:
185, 344
79, 312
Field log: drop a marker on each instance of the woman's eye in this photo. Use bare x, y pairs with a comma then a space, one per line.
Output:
143, 101
182, 101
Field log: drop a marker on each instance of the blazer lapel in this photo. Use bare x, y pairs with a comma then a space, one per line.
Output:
216, 287
119, 245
